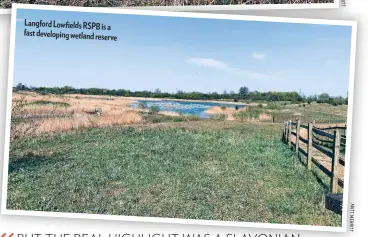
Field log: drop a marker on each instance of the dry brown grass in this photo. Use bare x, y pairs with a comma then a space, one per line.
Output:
265, 117
75, 99
219, 110
80, 121
51, 118
42, 111
170, 113
228, 111
261, 118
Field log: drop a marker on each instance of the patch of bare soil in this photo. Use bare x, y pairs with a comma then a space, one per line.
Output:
221, 110
331, 125
323, 159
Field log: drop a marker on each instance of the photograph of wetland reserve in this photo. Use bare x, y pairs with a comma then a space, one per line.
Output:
188, 118
5, 4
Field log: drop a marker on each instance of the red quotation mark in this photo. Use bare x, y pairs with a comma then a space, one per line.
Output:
4, 235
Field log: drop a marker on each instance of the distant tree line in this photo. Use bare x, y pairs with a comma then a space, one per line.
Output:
244, 94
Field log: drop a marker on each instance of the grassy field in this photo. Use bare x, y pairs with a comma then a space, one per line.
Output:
200, 170
95, 154
321, 113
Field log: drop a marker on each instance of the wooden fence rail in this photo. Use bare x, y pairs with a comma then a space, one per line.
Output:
315, 141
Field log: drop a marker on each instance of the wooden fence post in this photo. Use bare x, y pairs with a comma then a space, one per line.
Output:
297, 136
310, 145
286, 132
335, 162
289, 132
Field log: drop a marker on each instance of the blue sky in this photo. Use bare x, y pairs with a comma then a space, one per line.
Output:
189, 54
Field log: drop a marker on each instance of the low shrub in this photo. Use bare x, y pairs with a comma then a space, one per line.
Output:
192, 117
154, 109
251, 112
220, 117
46, 102
273, 106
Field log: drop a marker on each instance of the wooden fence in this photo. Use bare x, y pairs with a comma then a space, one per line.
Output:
330, 141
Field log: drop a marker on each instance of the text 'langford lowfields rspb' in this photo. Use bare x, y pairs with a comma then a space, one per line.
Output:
35, 30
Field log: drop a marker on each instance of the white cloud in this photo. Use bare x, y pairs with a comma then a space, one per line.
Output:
211, 63
220, 65
258, 56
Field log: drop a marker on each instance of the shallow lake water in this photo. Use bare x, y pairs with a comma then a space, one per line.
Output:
185, 107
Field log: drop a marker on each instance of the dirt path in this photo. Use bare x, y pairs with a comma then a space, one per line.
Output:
323, 159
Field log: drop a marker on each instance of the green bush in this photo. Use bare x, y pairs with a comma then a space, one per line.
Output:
154, 109
192, 117
251, 112
220, 117
179, 119
273, 106
46, 102
335, 103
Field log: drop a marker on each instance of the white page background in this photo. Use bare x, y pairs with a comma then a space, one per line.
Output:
354, 10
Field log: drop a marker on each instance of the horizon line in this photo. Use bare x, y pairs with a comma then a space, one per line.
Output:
229, 92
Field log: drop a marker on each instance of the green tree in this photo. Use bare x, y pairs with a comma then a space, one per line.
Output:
21, 87
244, 91
324, 97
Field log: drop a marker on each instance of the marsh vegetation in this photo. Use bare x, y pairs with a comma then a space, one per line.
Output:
100, 154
